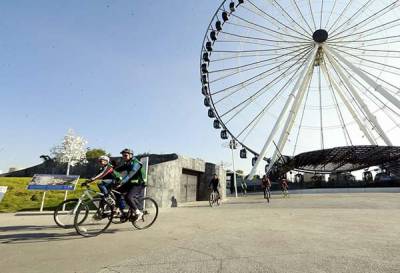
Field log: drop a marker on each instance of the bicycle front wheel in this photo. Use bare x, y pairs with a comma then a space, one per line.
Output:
150, 213
64, 214
97, 221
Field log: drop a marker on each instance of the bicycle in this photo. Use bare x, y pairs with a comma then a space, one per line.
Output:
267, 193
285, 193
100, 220
214, 199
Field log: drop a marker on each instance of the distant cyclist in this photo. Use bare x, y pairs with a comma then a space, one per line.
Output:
214, 184
133, 182
284, 186
266, 185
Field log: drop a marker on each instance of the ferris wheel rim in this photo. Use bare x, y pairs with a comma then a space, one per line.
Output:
321, 36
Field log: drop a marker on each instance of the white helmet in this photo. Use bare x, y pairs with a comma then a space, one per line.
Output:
105, 158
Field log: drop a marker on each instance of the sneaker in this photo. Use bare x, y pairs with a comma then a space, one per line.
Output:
139, 214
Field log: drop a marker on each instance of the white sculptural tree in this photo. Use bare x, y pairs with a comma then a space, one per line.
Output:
71, 151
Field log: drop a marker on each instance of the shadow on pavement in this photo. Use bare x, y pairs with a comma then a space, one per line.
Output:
45, 236
27, 227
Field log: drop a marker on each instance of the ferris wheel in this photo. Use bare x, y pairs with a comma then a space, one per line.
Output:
301, 75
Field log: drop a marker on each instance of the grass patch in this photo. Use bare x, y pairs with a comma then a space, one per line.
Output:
18, 198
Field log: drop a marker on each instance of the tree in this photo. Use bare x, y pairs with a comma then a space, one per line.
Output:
71, 151
95, 153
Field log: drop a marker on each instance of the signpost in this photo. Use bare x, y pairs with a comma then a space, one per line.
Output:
46, 182
3, 190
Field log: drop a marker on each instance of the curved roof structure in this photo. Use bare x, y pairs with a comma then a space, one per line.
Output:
343, 159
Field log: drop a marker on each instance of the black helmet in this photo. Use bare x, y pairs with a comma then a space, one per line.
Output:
127, 151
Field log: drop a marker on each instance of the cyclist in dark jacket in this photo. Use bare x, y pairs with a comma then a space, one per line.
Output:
214, 183
132, 183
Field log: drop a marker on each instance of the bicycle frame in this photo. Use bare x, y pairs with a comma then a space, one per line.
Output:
86, 193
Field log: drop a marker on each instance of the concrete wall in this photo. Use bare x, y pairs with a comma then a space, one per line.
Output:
165, 184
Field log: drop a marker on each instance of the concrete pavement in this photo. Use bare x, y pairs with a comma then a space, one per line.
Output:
346, 232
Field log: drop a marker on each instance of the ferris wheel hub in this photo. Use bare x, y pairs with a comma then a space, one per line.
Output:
320, 36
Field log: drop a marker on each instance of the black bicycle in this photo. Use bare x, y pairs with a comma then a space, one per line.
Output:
97, 221
215, 199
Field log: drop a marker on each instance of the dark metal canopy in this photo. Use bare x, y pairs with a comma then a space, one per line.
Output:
343, 159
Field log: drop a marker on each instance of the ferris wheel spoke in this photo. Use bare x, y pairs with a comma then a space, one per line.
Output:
258, 92
368, 52
301, 15
330, 14
242, 56
376, 29
272, 49
369, 61
320, 108
269, 29
354, 92
369, 19
275, 36
248, 102
375, 98
383, 81
340, 16
265, 40
351, 18
274, 19
259, 116
285, 13
298, 87
262, 74
241, 87
337, 108
232, 74
285, 55
334, 86
300, 124
370, 81
312, 14
275, 69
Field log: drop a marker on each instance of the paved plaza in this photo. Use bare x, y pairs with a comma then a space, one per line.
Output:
342, 232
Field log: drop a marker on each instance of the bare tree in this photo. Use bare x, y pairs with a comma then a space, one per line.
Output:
71, 151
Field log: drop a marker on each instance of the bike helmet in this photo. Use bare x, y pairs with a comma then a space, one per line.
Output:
127, 151
105, 158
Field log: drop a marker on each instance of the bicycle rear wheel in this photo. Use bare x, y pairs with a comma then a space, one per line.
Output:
97, 221
150, 213
211, 200
65, 218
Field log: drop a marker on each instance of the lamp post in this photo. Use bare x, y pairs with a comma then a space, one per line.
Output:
233, 146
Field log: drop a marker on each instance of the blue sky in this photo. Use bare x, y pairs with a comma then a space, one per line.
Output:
120, 73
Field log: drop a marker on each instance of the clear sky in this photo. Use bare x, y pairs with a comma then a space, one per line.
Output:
126, 74
120, 73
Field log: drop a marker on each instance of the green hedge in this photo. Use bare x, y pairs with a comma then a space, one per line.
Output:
18, 198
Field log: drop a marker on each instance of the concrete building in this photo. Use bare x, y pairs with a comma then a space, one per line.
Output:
182, 180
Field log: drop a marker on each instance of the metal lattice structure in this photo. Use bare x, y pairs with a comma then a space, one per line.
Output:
296, 76
343, 159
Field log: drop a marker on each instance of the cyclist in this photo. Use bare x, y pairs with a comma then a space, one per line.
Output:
266, 185
132, 183
214, 183
108, 177
284, 186
243, 184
